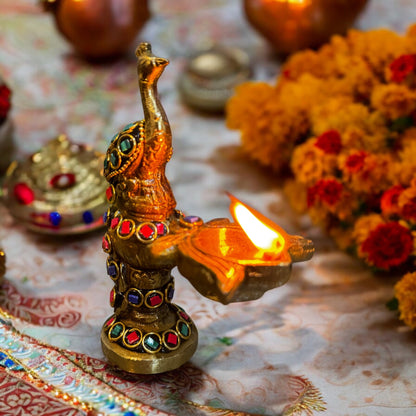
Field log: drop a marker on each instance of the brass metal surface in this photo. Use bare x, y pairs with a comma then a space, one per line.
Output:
146, 237
63, 179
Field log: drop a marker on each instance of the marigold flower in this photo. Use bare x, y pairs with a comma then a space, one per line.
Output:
329, 142
327, 191
388, 245
355, 161
407, 202
389, 200
405, 293
402, 66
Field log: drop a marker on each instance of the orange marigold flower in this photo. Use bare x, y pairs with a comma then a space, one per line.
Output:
407, 202
389, 200
329, 142
402, 66
355, 161
388, 245
405, 293
327, 191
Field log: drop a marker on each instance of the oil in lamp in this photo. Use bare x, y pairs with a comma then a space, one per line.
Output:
147, 236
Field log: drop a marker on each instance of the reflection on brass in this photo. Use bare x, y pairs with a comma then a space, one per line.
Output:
146, 237
57, 190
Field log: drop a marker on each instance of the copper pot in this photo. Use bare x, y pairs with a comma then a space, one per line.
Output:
99, 29
290, 25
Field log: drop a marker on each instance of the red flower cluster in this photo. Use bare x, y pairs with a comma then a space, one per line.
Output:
402, 66
329, 142
5, 104
326, 190
409, 210
388, 245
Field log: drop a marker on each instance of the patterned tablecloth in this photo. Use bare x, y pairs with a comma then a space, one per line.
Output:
325, 339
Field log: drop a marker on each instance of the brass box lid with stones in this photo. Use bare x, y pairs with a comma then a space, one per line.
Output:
146, 237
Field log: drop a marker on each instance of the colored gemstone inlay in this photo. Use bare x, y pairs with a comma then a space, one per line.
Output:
125, 228
146, 231
133, 337
172, 339
114, 222
112, 270
184, 315
161, 228
110, 321
155, 300
152, 342
109, 193
8, 363
183, 329
63, 180
105, 244
114, 158
171, 292
55, 218
105, 163
87, 217
23, 193
2, 355
134, 298
192, 219
126, 145
112, 297
105, 216
116, 331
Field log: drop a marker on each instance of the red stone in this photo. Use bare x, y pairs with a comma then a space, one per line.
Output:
133, 337
114, 222
146, 231
110, 321
172, 339
63, 180
106, 244
161, 228
23, 193
109, 193
155, 300
125, 227
112, 297
184, 315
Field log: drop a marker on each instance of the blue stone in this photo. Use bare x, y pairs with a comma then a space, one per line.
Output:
2, 356
133, 298
111, 270
87, 217
105, 216
130, 414
171, 292
192, 219
55, 218
8, 363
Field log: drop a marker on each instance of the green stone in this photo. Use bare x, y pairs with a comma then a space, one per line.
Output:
152, 343
125, 145
116, 331
183, 329
114, 158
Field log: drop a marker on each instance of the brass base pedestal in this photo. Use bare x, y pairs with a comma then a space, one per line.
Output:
147, 363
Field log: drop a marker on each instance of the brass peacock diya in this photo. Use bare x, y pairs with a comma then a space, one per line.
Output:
147, 237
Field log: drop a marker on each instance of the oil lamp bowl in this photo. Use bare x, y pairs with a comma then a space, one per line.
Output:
229, 265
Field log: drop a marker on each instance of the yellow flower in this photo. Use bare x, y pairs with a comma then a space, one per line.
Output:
393, 100
309, 163
405, 167
405, 293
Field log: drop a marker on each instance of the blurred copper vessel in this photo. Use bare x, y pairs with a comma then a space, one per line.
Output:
291, 25
99, 29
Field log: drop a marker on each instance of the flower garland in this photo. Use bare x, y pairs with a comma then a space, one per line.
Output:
343, 121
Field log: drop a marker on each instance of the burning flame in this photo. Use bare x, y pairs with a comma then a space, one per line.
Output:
267, 236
